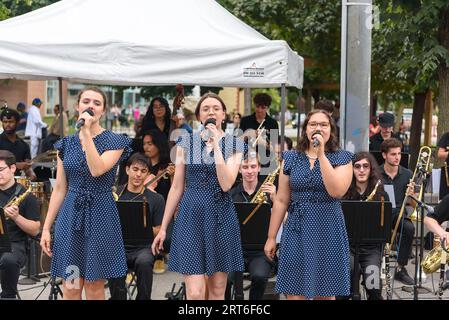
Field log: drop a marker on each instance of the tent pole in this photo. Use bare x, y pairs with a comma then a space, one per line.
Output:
61, 108
247, 99
283, 110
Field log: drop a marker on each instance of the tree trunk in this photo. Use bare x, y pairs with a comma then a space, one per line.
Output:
419, 104
308, 105
443, 79
399, 111
316, 95
373, 106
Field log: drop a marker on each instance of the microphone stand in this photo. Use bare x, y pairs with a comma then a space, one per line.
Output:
417, 287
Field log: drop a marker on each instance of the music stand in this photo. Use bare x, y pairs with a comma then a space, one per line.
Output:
253, 234
366, 223
137, 227
380, 160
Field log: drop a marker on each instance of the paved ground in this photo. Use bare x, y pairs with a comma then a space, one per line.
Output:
163, 283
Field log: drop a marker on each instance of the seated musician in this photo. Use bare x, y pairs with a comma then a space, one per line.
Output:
9, 140
365, 184
139, 257
434, 220
258, 265
22, 220
399, 177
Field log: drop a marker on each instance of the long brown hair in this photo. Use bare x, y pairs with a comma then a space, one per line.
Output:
331, 144
374, 176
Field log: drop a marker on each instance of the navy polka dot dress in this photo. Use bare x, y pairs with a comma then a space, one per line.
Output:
88, 240
206, 233
314, 251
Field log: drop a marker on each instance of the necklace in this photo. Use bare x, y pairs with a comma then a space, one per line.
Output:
313, 158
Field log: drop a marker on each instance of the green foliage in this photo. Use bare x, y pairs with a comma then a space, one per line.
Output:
12, 8
310, 27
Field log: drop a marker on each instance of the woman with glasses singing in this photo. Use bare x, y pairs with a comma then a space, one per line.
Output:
367, 183
314, 251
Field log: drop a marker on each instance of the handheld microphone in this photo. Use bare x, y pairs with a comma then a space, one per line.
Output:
81, 122
429, 209
316, 142
207, 134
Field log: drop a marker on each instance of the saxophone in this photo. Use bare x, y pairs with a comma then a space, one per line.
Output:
373, 193
432, 260
16, 201
260, 197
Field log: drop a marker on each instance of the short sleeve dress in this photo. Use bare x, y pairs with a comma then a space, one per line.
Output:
314, 250
88, 240
206, 232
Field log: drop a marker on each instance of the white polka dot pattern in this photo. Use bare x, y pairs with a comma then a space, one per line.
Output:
314, 252
206, 233
88, 239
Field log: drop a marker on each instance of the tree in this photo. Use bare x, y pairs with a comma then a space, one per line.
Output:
12, 8
310, 27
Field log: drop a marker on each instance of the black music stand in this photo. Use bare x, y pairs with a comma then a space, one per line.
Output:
253, 234
366, 223
380, 160
137, 225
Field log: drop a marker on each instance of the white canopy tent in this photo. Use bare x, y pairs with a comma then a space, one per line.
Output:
143, 42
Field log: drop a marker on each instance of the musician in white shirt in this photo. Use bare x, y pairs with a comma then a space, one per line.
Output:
34, 126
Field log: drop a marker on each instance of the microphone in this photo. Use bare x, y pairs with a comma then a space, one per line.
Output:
207, 133
80, 122
316, 142
429, 209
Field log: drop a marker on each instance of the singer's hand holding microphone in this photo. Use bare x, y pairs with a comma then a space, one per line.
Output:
210, 130
318, 142
82, 120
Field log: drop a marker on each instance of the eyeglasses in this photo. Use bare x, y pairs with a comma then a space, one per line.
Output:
3, 168
314, 125
358, 166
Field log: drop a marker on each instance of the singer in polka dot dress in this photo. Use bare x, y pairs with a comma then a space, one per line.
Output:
206, 243
314, 249
88, 245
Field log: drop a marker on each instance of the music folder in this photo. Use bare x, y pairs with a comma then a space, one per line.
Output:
254, 232
137, 226
367, 222
5, 244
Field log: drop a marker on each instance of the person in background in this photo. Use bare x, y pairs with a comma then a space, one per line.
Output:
386, 123
9, 140
55, 132
374, 127
34, 126
21, 108
138, 255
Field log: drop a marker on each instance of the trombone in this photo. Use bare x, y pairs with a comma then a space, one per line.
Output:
421, 170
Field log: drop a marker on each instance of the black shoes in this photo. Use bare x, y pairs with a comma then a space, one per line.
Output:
402, 275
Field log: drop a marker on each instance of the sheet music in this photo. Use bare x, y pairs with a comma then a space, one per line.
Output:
436, 179
389, 189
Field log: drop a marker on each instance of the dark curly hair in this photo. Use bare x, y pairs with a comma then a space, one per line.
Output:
374, 176
332, 143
